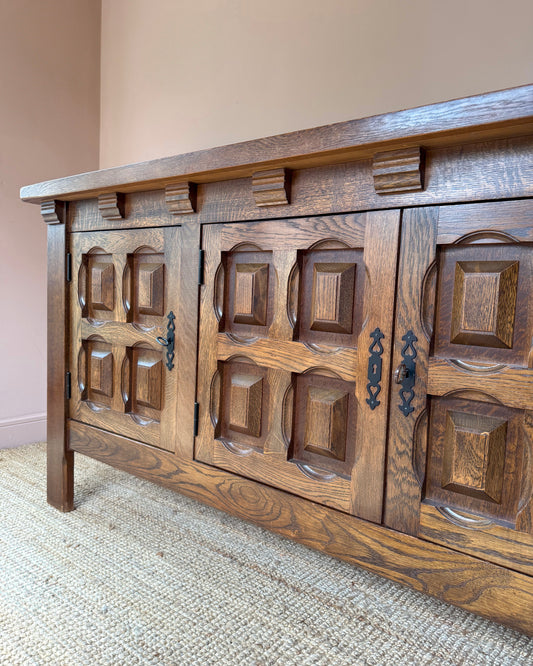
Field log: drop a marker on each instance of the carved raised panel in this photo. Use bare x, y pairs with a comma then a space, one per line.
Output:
484, 303
97, 372
144, 288
484, 308
324, 422
102, 285
330, 297
248, 292
243, 404
475, 458
144, 382
398, 171
111, 205
150, 288
181, 198
98, 293
251, 294
271, 188
148, 384
474, 455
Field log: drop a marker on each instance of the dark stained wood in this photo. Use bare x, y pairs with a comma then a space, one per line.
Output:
398, 171
485, 540
324, 422
271, 188
475, 458
301, 328
111, 205
510, 221
407, 434
187, 338
124, 286
181, 198
60, 466
482, 307
494, 592
332, 289
472, 172
277, 268
503, 113
499, 384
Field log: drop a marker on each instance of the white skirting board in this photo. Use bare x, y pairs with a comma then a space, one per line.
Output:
22, 430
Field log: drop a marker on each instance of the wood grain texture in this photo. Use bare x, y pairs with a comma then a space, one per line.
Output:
502, 113
496, 593
111, 205
140, 396
475, 458
60, 461
483, 311
290, 355
403, 486
271, 188
503, 220
382, 240
398, 170
446, 377
181, 198
492, 170
490, 542
187, 339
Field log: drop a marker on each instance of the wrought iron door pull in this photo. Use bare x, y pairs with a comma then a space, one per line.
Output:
168, 342
405, 373
374, 368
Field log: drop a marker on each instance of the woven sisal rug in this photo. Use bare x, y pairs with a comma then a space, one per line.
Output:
141, 575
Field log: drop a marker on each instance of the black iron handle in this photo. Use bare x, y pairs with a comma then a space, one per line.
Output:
168, 342
374, 368
405, 373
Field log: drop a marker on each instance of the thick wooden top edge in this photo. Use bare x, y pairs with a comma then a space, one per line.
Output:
338, 142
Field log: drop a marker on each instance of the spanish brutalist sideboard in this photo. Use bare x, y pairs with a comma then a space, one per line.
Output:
327, 332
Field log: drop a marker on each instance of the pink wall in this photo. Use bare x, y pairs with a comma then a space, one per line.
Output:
49, 126
180, 75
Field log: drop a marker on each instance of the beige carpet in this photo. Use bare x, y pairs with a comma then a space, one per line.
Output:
141, 575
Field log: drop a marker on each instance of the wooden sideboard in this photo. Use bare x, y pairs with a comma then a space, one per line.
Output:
327, 332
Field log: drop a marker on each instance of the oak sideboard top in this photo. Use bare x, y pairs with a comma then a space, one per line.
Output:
495, 115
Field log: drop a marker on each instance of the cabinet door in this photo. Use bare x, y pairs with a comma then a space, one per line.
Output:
124, 286
460, 457
294, 354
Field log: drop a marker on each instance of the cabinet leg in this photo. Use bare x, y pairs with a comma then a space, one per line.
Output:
60, 478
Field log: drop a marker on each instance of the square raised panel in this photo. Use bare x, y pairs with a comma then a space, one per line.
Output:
483, 312
248, 293
475, 458
484, 303
251, 294
151, 288
324, 422
330, 304
474, 455
97, 285
144, 288
243, 403
96, 372
143, 380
